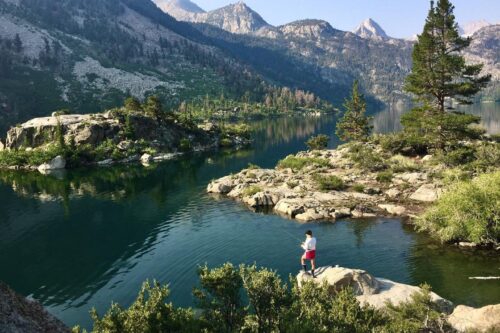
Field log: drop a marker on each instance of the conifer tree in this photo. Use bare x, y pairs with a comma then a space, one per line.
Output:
439, 69
355, 125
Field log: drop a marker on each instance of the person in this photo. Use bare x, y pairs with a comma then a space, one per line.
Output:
309, 247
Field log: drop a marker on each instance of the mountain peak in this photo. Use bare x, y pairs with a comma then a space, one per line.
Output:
370, 29
236, 18
469, 28
183, 10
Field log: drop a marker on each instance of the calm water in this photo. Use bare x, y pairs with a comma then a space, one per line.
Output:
86, 237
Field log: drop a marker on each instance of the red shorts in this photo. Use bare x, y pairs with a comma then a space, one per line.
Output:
310, 254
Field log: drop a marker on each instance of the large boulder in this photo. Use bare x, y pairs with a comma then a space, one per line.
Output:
20, 315
290, 207
2, 146
398, 293
393, 209
221, 186
485, 319
368, 289
426, 193
57, 163
339, 278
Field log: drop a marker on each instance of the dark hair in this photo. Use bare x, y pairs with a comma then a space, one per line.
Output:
309, 232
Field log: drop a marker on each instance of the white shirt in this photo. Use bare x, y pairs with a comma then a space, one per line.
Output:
309, 244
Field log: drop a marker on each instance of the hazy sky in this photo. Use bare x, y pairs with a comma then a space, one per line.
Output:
399, 18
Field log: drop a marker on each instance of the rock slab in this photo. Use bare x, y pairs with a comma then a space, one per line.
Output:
485, 319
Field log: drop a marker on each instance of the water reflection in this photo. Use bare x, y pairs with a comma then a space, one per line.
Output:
388, 120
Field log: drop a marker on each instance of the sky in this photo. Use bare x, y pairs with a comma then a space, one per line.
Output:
399, 18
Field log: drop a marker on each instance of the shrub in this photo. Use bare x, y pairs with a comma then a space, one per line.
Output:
329, 183
220, 297
148, 313
298, 163
252, 166
268, 296
467, 211
456, 157
419, 314
403, 143
359, 188
318, 142
226, 142
366, 158
251, 191
185, 144
400, 163
384, 177
487, 157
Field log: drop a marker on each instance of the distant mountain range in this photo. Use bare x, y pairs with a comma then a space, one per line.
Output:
88, 55
378, 60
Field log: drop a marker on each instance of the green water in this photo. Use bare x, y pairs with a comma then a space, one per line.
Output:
86, 237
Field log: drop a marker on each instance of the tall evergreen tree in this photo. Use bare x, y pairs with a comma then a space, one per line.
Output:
439, 70
355, 125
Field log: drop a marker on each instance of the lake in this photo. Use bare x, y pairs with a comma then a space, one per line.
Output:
85, 237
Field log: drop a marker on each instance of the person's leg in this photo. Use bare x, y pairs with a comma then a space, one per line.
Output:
313, 266
303, 262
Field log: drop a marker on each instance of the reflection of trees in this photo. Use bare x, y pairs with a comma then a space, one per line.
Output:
447, 269
359, 228
388, 120
286, 129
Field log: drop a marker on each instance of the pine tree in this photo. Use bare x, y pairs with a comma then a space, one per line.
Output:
154, 108
439, 70
355, 125
132, 104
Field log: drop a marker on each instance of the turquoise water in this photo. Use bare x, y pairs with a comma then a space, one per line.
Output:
86, 237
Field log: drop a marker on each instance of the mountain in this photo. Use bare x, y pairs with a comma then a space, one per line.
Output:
470, 28
89, 55
370, 29
236, 18
183, 10
484, 49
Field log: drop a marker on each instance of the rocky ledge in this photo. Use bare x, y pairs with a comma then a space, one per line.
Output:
376, 292
21, 315
328, 185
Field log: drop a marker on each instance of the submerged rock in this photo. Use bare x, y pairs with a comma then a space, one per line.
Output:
468, 319
20, 315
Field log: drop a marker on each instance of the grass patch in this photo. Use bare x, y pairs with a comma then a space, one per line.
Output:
468, 211
251, 191
329, 183
384, 176
366, 158
298, 163
400, 163
360, 188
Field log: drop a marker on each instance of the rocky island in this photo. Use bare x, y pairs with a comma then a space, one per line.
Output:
122, 135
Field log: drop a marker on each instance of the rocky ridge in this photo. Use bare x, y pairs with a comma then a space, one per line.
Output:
297, 194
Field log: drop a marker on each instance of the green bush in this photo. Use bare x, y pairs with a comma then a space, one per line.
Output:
226, 142
403, 143
251, 191
456, 157
419, 314
366, 158
359, 188
252, 166
329, 183
298, 163
400, 163
148, 313
220, 298
384, 177
318, 142
467, 211
185, 144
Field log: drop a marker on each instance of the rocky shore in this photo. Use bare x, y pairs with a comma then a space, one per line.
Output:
328, 185
115, 136
376, 292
